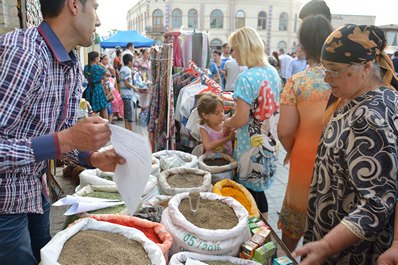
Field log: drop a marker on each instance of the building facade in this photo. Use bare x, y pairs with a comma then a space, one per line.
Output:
391, 31
276, 21
339, 20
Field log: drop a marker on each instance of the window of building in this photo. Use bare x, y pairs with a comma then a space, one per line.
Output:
215, 44
192, 18
262, 21
294, 47
157, 18
216, 19
240, 19
283, 19
282, 45
392, 38
177, 18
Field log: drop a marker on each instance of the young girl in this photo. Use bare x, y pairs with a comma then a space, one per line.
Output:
214, 137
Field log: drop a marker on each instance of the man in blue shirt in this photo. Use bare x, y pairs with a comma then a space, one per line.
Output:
40, 90
297, 64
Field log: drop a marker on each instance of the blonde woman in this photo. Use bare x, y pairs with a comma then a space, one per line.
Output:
255, 119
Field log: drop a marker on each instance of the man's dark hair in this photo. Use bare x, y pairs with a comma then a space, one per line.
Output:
225, 45
127, 58
118, 52
130, 44
315, 7
312, 34
218, 52
52, 8
396, 54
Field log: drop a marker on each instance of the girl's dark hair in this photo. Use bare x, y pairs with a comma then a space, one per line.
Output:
52, 8
218, 52
118, 52
127, 58
315, 7
92, 55
312, 34
102, 57
207, 104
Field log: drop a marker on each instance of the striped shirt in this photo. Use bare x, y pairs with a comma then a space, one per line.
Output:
40, 90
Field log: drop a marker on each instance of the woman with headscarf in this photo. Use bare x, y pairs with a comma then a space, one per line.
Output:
354, 185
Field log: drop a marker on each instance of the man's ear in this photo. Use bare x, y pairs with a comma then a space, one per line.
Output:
72, 5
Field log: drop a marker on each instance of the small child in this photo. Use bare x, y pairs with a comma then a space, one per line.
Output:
128, 91
143, 94
214, 137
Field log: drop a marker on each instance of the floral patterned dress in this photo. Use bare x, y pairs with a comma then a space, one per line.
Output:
355, 177
308, 92
95, 94
256, 142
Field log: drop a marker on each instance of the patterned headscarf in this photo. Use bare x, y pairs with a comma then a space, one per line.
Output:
353, 44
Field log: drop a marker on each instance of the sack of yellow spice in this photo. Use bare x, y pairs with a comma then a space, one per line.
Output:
237, 191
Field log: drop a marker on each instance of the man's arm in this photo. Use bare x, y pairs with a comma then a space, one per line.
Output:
18, 78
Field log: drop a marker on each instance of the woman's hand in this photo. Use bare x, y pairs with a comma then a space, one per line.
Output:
231, 135
314, 253
390, 257
286, 161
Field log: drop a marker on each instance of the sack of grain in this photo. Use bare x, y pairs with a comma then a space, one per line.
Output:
95, 177
104, 192
181, 257
190, 237
51, 252
161, 200
154, 231
221, 166
178, 180
230, 188
172, 158
155, 171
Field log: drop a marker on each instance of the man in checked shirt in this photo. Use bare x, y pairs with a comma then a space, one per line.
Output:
40, 90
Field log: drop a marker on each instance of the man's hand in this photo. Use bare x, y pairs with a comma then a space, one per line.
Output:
89, 134
106, 160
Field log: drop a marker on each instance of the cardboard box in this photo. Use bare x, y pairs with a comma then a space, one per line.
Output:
282, 261
247, 249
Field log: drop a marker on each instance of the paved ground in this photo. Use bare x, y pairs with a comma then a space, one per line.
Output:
275, 193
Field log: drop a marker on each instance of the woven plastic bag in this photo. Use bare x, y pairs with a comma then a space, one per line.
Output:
51, 252
166, 189
181, 257
237, 191
154, 231
188, 237
219, 173
184, 159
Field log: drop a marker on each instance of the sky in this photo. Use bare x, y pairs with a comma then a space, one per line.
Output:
113, 13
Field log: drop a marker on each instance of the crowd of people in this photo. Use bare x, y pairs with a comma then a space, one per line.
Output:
334, 108
119, 86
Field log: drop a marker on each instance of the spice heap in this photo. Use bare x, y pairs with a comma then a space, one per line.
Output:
107, 195
185, 181
163, 203
216, 162
98, 247
212, 214
237, 195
